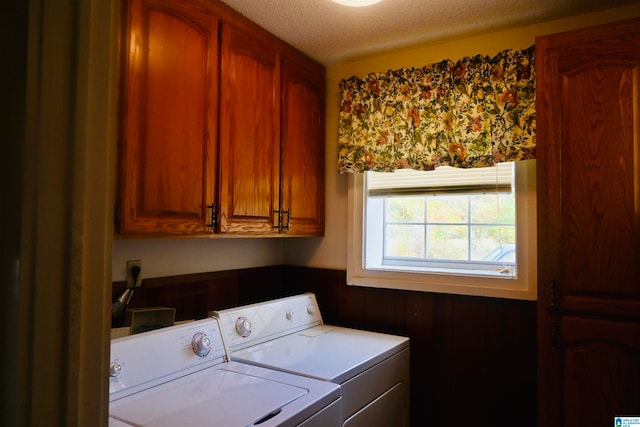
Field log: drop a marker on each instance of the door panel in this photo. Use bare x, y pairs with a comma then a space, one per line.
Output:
589, 155
600, 180
168, 125
302, 147
249, 131
604, 358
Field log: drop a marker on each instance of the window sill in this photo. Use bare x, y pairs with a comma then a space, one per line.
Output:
495, 274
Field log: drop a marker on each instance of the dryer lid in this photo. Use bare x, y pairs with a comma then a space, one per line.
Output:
329, 353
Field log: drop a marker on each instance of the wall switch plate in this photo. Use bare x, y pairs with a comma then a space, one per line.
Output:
130, 266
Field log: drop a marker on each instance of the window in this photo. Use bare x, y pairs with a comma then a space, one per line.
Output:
461, 231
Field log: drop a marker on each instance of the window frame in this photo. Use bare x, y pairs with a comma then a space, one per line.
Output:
522, 287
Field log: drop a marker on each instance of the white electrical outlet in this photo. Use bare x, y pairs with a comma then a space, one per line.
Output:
130, 265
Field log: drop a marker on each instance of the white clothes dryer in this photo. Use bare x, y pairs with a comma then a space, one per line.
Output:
180, 376
288, 335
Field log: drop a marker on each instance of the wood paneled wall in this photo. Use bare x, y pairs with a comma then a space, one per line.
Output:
473, 359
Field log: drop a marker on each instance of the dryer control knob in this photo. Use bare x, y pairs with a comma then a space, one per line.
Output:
311, 310
243, 326
201, 344
115, 369
289, 315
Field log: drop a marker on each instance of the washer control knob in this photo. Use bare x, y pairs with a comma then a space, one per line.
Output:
243, 326
201, 344
289, 315
115, 369
311, 310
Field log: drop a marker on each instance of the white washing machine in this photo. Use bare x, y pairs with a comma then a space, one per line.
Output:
289, 335
180, 376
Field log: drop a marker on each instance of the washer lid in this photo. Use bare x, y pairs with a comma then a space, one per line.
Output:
212, 397
329, 353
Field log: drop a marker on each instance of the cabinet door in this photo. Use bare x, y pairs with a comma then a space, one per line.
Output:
302, 146
599, 363
249, 133
168, 126
589, 169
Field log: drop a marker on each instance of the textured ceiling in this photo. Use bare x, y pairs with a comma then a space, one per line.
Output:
329, 32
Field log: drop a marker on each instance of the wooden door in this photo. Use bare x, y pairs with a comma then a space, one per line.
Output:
588, 118
168, 117
249, 133
302, 146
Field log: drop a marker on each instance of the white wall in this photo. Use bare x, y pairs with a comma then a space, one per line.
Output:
169, 257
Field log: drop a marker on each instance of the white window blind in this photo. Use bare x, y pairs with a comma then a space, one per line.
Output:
443, 179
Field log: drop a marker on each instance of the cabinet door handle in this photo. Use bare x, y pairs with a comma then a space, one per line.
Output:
279, 220
552, 296
212, 224
280, 226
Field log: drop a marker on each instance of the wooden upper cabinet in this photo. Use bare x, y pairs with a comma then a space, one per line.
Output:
588, 119
168, 118
221, 126
302, 146
271, 138
249, 133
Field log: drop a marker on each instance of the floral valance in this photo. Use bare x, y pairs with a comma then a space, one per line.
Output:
475, 112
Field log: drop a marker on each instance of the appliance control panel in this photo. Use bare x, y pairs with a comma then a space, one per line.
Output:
257, 323
144, 360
